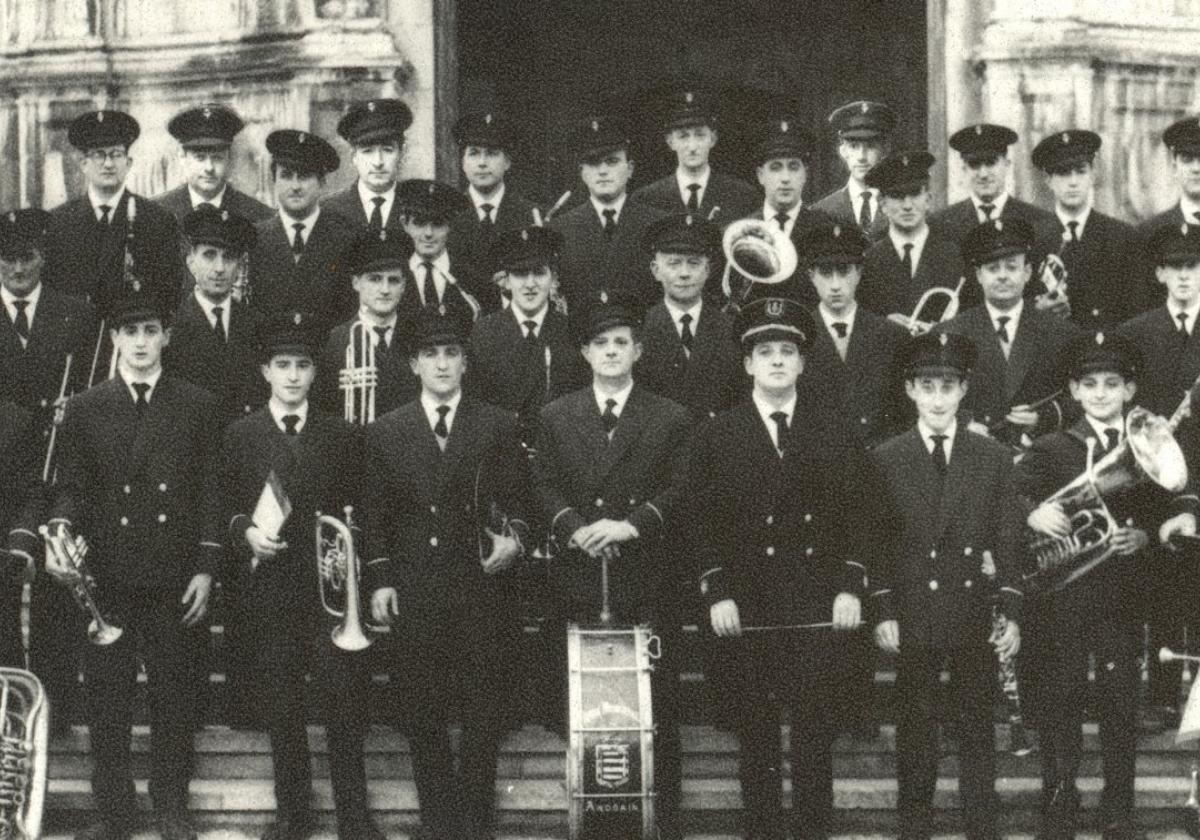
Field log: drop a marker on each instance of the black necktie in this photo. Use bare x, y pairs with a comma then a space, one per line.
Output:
1111, 437
1182, 317
487, 214
609, 417
381, 346
987, 209
21, 324
1002, 329
1073, 227
610, 222
685, 330
781, 429
939, 453
840, 328
906, 260
104, 215
782, 218
376, 223
219, 323
531, 332
428, 290
440, 428
864, 215
693, 202
298, 241
142, 401
290, 422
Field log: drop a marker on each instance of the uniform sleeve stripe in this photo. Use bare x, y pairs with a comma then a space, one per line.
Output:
657, 512
855, 563
377, 560
208, 544
554, 521
712, 571
1014, 591
879, 592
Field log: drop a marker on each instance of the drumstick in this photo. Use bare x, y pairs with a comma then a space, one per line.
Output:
819, 625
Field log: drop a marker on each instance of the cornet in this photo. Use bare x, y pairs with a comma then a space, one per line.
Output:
924, 316
68, 553
359, 377
338, 569
24, 733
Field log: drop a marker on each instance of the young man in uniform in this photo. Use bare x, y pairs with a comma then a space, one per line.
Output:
440, 284
374, 128
778, 545
954, 511
863, 131
1182, 139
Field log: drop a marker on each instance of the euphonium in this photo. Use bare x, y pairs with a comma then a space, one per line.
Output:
1148, 453
759, 253
69, 553
338, 569
359, 377
24, 731
924, 317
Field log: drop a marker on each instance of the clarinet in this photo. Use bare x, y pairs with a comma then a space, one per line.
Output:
1018, 739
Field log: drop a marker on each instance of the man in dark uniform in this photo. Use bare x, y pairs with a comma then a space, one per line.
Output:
1182, 139
137, 452
955, 513
1100, 253
526, 355
374, 128
911, 257
690, 126
427, 208
445, 492
377, 262
295, 266
778, 544
1097, 613
689, 354
853, 354
21, 505
485, 146
610, 473
314, 459
602, 236
1011, 386
41, 328
99, 243
863, 132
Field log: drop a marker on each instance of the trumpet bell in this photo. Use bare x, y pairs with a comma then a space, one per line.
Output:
759, 253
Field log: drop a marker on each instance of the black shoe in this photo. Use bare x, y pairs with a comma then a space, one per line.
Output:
1122, 830
175, 826
103, 831
363, 828
293, 829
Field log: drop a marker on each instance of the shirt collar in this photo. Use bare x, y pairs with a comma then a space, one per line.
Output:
278, 412
478, 199
371, 323
151, 380
684, 179
998, 202
430, 405
676, 312
927, 436
917, 240
1013, 315
1080, 218
1174, 308
600, 207
366, 195
113, 203
855, 191
1100, 428
766, 409
441, 263
539, 318
621, 396
1189, 209
829, 318
32, 298
308, 221
216, 201
769, 212
207, 305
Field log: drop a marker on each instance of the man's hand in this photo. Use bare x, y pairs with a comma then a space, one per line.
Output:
978, 428
726, 622
1055, 304
1128, 540
847, 611
385, 605
1009, 642
263, 546
1049, 518
1022, 415
196, 598
887, 636
58, 565
1179, 525
601, 534
505, 550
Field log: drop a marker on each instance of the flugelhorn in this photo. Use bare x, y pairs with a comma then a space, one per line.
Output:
69, 553
759, 253
924, 317
359, 377
24, 736
338, 571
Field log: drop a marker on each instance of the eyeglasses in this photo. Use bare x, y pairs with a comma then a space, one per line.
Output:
99, 156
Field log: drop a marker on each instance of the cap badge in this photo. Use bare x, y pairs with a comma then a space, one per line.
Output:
595, 125
837, 231
775, 307
943, 338
783, 126
383, 236
207, 113
978, 130
432, 187
524, 235
487, 119
687, 220
136, 285
1099, 338
604, 297
1066, 138
224, 215
688, 97
297, 318
866, 106
301, 138
100, 117
12, 217
904, 160
371, 107
999, 225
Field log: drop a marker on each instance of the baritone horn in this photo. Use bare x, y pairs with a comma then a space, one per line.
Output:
24, 735
359, 376
924, 316
338, 570
759, 254
69, 553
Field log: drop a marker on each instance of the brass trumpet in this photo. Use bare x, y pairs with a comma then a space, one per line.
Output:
922, 321
359, 377
338, 569
69, 553
24, 735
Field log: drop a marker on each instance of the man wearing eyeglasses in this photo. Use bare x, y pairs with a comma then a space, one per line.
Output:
109, 242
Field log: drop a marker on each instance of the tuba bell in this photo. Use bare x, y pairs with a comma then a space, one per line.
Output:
1148, 452
759, 254
24, 733
338, 571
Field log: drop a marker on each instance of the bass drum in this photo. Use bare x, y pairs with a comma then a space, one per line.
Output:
610, 756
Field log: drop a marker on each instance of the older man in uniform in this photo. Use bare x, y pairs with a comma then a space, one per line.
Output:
863, 131
99, 243
296, 266
374, 128
137, 454
778, 546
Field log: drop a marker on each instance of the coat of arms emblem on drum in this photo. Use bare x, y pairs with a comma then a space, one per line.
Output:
612, 765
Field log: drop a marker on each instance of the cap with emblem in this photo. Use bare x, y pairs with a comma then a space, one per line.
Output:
297, 333
1174, 244
488, 130
901, 173
1100, 353
688, 108
829, 242
430, 200
208, 225
982, 142
682, 234
377, 250
997, 239
937, 354
206, 127
785, 138
430, 328
134, 305
863, 120
374, 120
606, 310
775, 319
527, 247
1183, 136
301, 152
1063, 151
100, 129
22, 232
598, 136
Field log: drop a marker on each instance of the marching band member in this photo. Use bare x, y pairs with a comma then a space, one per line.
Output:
1099, 252
374, 128
778, 545
1182, 139
863, 132
1013, 339
427, 207
953, 501
1064, 627
295, 264
911, 257
377, 262
316, 459
136, 453
444, 494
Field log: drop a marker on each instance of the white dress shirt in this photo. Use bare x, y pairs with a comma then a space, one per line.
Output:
367, 196
619, 397
1013, 315
1101, 428
677, 314
600, 207
1080, 219
684, 180
842, 344
765, 410
927, 436
855, 192
151, 380
279, 411
290, 222
998, 203
917, 240
112, 204
196, 199
430, 407
1175, 309
1190, 210
10, 307
538, 318
441, 274
207, 306
769, 214
479, 199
